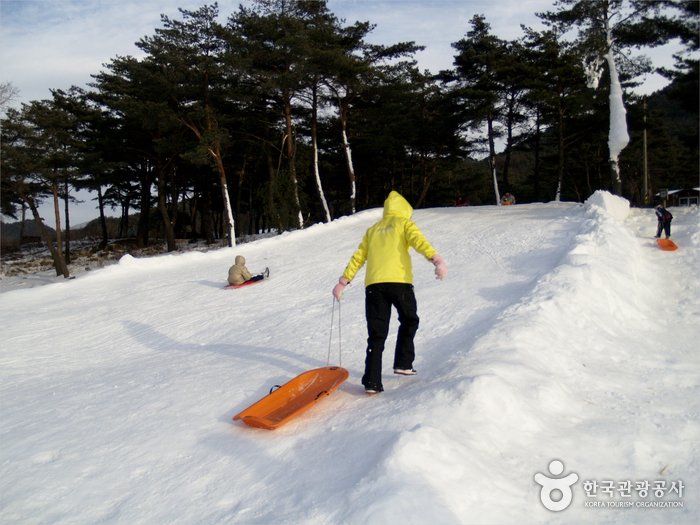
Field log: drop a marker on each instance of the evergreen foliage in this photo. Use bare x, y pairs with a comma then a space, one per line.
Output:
284, 116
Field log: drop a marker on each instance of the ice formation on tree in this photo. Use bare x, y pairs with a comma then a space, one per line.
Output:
618, 137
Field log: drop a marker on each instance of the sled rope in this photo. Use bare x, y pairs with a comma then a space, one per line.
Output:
330, 340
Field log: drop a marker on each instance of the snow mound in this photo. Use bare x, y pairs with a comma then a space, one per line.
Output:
127, 260
606, 202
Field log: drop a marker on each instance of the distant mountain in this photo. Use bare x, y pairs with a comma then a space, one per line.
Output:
11, 231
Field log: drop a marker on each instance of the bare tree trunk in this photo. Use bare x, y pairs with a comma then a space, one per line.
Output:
492, 158
143, 228
57, 211
314, 140
58, 260
342, 111
67, 240
252, 213
509, 142
290, 157
126, 206
239, 191
224, 193
24, 218
103, 220
207, 223
536, 181
429, 179
274, 214
168, 223
560, 152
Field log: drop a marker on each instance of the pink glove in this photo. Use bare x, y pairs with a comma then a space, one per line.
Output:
338, 290
440, 267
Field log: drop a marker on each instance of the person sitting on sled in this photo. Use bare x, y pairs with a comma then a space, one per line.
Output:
507, 199
388, 281
239, 274
665, 219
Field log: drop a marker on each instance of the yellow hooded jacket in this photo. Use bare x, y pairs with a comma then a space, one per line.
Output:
385, 246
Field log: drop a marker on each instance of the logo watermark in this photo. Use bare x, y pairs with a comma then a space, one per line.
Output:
626, 490
557, 494
556, 485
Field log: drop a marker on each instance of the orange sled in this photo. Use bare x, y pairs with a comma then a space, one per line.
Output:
667, 244
293, 398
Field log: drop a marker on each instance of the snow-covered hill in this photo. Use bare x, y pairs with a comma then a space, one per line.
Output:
562, 332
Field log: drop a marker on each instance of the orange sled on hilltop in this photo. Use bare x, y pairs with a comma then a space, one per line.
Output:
293, 398
667, 244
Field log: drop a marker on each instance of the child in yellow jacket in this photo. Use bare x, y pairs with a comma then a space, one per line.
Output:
389, 282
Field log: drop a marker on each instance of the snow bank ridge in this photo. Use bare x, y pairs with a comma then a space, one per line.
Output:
601, 279
529, 368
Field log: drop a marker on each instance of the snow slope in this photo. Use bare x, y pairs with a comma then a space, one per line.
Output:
561, 332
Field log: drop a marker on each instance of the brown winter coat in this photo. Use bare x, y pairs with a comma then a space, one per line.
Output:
238, 273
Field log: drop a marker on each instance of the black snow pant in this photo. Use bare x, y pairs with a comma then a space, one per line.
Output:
260, 276
664, 226
379, 298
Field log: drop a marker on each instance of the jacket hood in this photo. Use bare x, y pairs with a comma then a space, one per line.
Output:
396, 205
240, 260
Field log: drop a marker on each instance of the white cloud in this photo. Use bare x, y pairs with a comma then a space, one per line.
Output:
52, 44
56, 44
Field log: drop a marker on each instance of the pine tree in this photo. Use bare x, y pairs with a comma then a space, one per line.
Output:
606, 28
479, 85
189, 57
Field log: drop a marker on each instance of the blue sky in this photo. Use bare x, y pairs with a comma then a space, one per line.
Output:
55, 44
